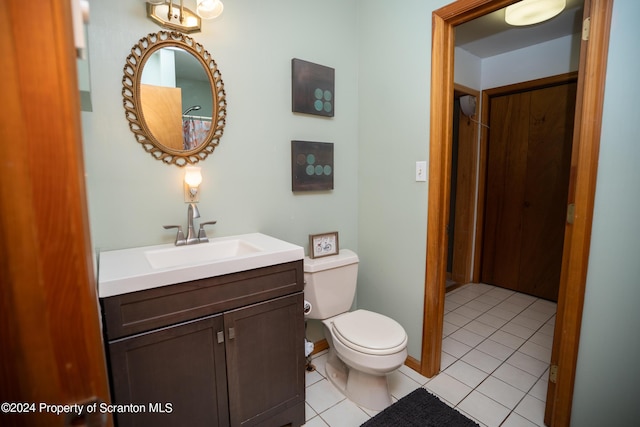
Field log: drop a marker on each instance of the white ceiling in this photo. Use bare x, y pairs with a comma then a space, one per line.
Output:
489, 35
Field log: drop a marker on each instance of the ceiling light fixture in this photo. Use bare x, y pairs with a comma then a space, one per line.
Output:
177, 17
529, 12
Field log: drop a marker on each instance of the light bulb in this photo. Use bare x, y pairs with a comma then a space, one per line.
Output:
209, 9
192, 176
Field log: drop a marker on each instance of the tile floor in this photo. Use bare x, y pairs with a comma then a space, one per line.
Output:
495, 363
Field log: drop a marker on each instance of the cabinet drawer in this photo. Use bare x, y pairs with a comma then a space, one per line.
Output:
142, 311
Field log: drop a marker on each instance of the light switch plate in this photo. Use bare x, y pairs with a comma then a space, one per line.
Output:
421, 171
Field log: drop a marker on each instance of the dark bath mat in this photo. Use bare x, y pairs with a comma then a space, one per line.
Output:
420, 409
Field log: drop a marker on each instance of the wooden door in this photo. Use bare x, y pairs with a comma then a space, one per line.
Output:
50, 341
177, 374
528, 164
265, 362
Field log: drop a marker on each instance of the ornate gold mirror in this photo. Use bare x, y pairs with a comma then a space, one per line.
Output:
174, 98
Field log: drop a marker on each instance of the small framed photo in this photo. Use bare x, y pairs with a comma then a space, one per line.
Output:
324, 244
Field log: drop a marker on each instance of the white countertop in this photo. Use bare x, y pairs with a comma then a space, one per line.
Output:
129, 270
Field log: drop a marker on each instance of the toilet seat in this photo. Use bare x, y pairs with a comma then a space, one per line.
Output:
369, 332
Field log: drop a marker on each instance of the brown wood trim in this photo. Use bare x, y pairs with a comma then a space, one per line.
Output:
319, 346
533, 84
413, 363
589, 106
50, 326
441, 111
466, 183
588, 132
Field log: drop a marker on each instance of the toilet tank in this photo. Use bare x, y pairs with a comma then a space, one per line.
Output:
330, 283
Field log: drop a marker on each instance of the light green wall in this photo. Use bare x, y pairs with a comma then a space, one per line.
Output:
393, 116
247, 180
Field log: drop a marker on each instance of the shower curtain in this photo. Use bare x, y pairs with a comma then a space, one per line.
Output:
194, 131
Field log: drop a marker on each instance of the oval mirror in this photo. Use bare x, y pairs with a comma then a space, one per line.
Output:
174, 98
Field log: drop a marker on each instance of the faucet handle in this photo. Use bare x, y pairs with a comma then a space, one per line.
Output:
202, 235
180, 240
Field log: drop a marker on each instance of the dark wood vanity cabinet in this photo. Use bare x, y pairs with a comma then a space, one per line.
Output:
220, 351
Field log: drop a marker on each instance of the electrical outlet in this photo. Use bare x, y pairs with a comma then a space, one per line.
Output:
421, 171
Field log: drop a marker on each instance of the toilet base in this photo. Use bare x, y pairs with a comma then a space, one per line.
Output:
367, 390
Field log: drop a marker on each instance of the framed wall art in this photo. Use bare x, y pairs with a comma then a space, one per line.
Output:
312, 88
311, 166
324, 244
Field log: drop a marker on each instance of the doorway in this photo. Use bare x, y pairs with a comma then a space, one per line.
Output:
593, 57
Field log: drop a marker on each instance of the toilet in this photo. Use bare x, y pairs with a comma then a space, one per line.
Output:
363, 346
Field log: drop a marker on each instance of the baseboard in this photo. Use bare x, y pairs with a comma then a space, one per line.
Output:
413, 363
323, 345
319, 346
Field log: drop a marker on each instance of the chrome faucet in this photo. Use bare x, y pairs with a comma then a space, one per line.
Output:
192, 212
192, 238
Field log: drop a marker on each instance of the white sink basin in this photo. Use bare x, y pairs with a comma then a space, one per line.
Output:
130, 270
197, 254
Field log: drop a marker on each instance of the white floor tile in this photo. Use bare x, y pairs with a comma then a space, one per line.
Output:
482, 361
495, 349
400, 385
456, 319
542, 339
455, 348
502, 313
477, 327
534, 350
528, 364
309, 412
420, 379
448, 388
491, 320
467, 337
516, 377
501, 392
448, 328
515, 420
323, 395
518, 330
532, 409
466, 373
345, 414
484, 409
316, 422
446, 360
505, 338
467, 312
539, 390
528, 322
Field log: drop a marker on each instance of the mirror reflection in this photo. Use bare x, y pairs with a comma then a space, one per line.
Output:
176, 98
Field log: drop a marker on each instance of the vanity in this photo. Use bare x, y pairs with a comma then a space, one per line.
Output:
208, 335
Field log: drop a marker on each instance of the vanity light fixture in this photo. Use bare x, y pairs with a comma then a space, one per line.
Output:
192, 181
177, 17
529, 12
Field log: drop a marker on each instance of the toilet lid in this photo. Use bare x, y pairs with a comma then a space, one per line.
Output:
370, 332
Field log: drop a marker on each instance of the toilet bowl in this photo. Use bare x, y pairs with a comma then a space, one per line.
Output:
364, 346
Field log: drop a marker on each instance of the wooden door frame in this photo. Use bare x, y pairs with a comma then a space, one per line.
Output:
586, 143
52, 348
464, 230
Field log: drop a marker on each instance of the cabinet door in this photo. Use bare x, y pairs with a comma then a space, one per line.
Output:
176, 373
265, 363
